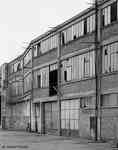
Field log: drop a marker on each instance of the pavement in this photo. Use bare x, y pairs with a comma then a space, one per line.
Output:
18, 140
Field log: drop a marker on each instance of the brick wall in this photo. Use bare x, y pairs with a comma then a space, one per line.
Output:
77, 87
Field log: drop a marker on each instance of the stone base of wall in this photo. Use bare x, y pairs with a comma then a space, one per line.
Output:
16, 123
109, 123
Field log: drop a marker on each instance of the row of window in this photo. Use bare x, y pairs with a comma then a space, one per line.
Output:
49, 43
77, 67
74, 68
19, 65
85, 26
45, 45
27, 83
16, 67
83, 65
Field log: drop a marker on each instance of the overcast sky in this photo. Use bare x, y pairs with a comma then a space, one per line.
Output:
23, 20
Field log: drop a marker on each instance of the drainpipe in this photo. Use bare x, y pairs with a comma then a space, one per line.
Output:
59, 83
96, 70
31, 99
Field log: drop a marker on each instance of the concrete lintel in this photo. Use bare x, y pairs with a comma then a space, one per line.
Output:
45, 99
66, 96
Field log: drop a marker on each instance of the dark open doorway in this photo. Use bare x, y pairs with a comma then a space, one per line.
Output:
53, 83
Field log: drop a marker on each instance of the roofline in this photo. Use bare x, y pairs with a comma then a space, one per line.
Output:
54, 29
67, 22
58, 27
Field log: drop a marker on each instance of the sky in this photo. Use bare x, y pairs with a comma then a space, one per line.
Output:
23, 20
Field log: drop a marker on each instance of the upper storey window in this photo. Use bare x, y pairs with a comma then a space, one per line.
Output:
41, 78
79, 67
49, 44
110, 58
110, 14
36, 50
79, 29
27, 58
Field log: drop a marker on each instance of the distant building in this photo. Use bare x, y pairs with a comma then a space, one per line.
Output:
4, 95
62, 83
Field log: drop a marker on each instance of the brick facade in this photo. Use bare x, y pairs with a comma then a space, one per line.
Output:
29, 109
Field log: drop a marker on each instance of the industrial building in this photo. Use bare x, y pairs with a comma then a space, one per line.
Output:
66, 81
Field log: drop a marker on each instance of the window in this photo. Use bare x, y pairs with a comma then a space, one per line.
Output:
70, 114
51, 114
110, 58
86, 64
49, 44
65, 75
15, 67
85, 26
44, 77
67, 69
39, 81
19, 67
109, 14
27, 58
63, 40
87, 102
106, 17
27, 82
41, 78
75, 31
35, 51
53, 80
114, 11
93, 122
81, 28
79, 67
11, 68
91, 24
84, 102
16, 88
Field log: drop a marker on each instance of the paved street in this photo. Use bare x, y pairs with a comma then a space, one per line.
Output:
32, 141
